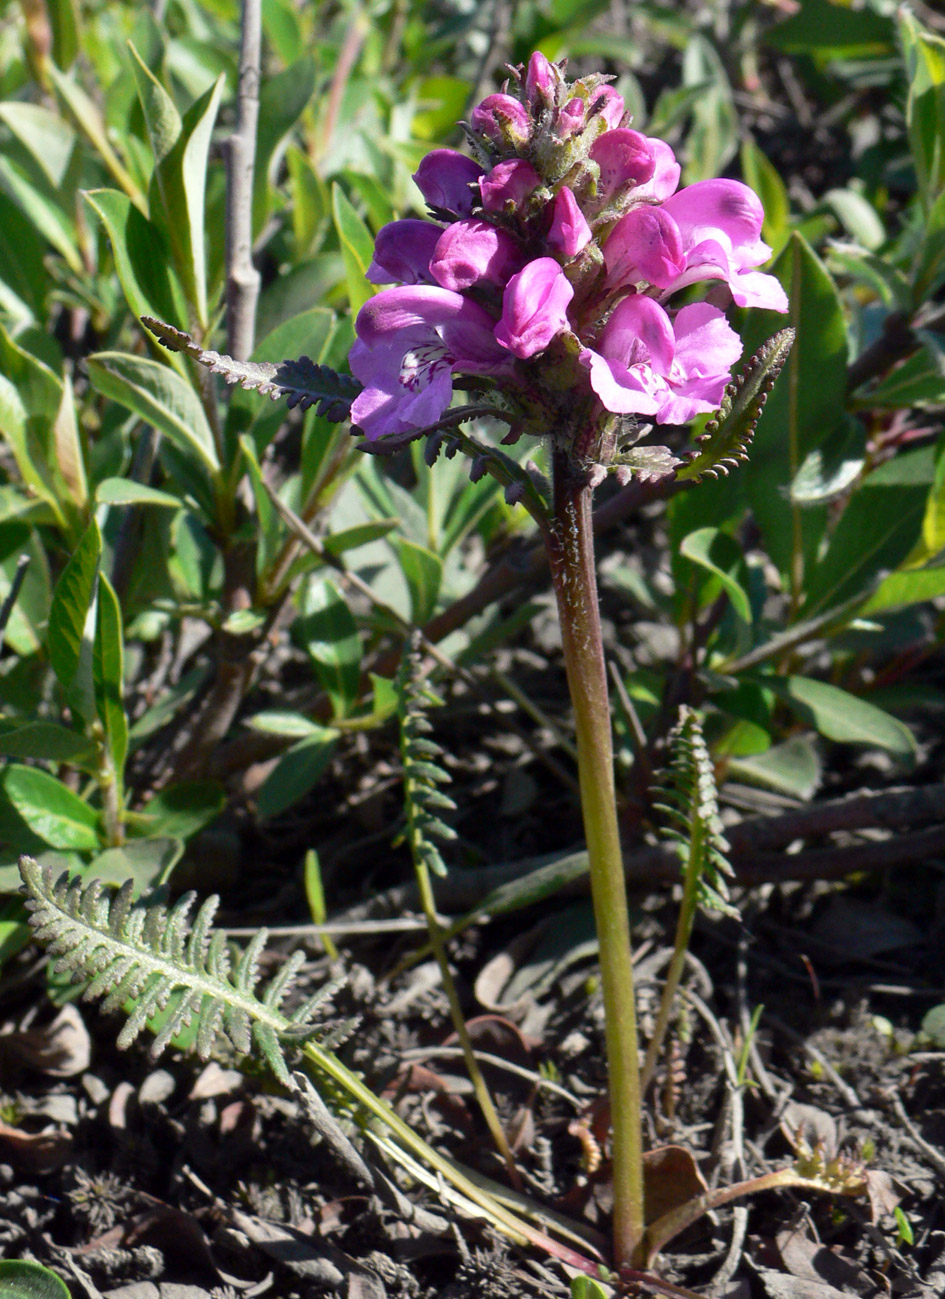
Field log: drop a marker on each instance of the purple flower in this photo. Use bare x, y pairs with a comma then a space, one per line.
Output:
444, 179
503, 120
469, 252
403, 251
719, 222
625, 158
569, 231
646, 364
534, 308
508, 182
409, 343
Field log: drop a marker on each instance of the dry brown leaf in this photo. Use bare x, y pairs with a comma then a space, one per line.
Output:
34, 1153
671, 1178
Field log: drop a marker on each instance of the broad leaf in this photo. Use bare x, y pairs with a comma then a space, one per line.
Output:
50, 808
843, 717
70, 623
328, 633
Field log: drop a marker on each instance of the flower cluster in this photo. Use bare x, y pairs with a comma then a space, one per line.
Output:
547, 271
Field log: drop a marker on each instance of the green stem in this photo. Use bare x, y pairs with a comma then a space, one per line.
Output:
570, 542
687, 916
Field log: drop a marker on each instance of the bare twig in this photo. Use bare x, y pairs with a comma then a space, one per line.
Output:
242, 279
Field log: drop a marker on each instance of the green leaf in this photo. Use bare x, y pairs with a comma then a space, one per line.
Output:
928, 270
763, 177
148, 862
20, 1280
282, 98
805, 407
48, 742
297, 771
911, 586
49, 139
357, 247
842, 717
925, 107
89, 120
50, 809
329, 634
158, 395
108, 673
712, 138
792, 768
282, 722
142, 259
23, 279
125, 491
919, 381
361, 534
834, 31
875, 533
179, 811
45, 214
722, 556
831, 469
70, 632
423, 572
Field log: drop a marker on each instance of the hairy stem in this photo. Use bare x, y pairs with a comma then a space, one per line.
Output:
242, 278
570, 544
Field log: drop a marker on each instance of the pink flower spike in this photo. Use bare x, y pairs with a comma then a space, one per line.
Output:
508, 183
469, 252
702, 209
606, 103
444, 178
403, 251
541, 81
625, 158
502, 119
534, 308
644, 245
569, 231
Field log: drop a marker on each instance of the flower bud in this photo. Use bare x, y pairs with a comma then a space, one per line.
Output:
508, 183
569, 231
541, 82
625, 158
503, 120
469, 252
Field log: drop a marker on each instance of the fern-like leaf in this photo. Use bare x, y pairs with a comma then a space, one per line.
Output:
423, 775
301, 383
727, 437
688, 798
154, 956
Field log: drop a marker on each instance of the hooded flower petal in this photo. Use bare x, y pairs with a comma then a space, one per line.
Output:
570, 119
666, 173
569, 231
508, 182
534, 308
720, 224
625, 158
644, 245
403, 251
471, 251
410, 342
444, 179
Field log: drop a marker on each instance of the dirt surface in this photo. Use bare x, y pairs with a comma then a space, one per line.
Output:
138, 1180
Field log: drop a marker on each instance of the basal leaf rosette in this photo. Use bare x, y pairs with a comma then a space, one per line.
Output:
545, 276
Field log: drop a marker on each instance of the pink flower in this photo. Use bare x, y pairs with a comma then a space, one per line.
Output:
502, 119
534, 308
645, 364
403, 251
569, 231
719, 223
644, 245
508, 182
625, 158
666, 172
469, 252
444, 178
410, 341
